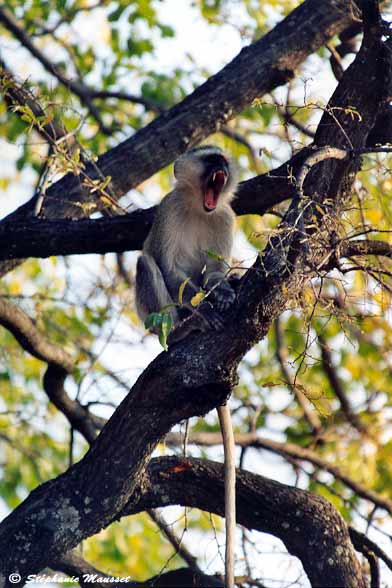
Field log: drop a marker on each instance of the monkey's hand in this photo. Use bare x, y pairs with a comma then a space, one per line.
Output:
222, 296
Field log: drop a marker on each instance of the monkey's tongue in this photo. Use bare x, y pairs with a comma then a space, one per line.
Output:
210, 199
214, 187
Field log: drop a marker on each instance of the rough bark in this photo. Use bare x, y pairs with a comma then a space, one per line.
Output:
309, 526
37, 237
288, 450
199, 373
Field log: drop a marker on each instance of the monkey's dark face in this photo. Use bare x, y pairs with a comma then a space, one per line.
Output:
214, 179
205, 177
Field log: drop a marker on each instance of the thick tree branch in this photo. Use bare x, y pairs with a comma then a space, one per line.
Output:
37, 237
360, 248
262, 505
287, 450
308, 525
43, 238
258, 69
199, 484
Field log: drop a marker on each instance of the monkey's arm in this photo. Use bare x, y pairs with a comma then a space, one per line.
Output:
152, 293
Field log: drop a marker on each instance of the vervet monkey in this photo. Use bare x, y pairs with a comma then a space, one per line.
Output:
192, 220
187, 251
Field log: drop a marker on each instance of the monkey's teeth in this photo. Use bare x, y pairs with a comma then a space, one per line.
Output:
213, 177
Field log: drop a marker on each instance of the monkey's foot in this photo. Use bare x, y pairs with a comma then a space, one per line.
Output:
223, 296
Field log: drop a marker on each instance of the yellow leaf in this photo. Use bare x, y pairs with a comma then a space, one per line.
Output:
317, 398
106, 201
310, 394
181, 290
15, 288
374, 215
197, 298
322, 406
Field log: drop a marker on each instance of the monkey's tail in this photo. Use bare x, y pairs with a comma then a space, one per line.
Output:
230, 476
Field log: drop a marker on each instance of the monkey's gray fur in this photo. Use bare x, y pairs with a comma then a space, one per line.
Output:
193, 219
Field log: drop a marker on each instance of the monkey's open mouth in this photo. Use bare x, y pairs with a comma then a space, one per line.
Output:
214, 186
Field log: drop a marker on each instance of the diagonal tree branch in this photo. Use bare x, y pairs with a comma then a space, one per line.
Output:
79, 89
337, 386
288, 450
60, 365
17, 94
258, 69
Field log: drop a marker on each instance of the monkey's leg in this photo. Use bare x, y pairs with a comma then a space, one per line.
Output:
151, 292
230, 479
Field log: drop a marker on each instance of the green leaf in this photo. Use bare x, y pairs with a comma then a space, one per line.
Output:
166, 31
153, 321
166, 327
160, 323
